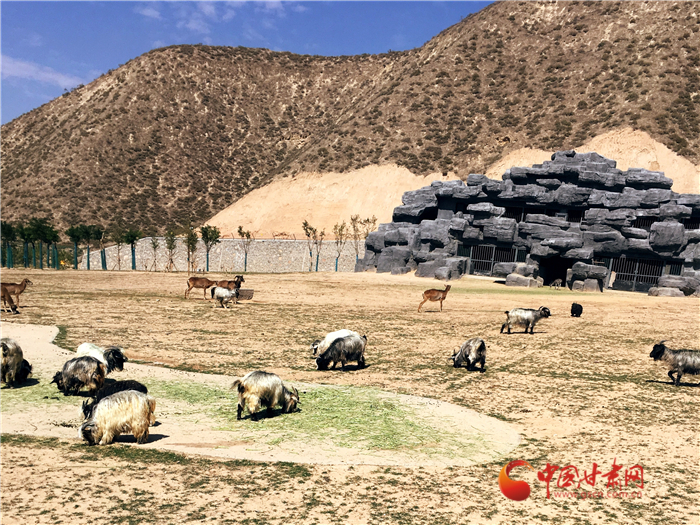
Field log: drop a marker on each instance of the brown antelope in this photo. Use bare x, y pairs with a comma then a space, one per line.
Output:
16, 289
232, 285
198, 282
435, 295
7, 301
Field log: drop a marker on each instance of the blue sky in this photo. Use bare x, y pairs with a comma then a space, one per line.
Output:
49, 47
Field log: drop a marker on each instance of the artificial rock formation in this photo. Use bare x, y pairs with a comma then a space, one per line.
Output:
576, 217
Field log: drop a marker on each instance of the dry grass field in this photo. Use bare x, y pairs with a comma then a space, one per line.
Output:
578, 391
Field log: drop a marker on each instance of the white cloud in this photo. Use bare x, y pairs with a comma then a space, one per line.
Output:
207, 8
196, 24
12, 68
34, 40
150, 12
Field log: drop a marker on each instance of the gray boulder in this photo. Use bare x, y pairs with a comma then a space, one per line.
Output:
665, 292
688, 285
667, 236
515, 279
501, 229
644, 179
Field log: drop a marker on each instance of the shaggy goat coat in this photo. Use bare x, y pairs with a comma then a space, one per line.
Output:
127, 411
108, 390
112, 357
12, 359
471, 352
80, 372
321, 345
679, 361
526, 317
224, 296
258, 389
350, 348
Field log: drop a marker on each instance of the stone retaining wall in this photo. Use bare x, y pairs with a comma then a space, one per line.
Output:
264, 256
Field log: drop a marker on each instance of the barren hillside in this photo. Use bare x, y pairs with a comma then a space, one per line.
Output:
183, 132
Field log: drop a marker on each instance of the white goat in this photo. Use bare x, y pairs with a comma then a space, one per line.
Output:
224, 296
321, 345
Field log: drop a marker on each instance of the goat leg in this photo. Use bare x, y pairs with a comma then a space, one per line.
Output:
679, 374
240, 411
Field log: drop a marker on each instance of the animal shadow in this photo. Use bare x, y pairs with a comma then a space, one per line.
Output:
691, 385
128, 438
32, 381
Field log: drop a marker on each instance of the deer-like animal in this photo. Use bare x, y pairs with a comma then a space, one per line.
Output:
7, 301
435, 295
198, 282
16, 289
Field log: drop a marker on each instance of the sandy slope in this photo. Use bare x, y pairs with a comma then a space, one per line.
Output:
325, 199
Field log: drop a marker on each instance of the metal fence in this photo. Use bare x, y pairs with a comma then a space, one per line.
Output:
637, 275
484, 256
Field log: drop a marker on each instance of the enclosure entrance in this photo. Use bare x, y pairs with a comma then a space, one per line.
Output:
554, 268
483, 257
636, 275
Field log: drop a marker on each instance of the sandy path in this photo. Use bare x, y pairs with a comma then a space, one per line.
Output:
176, 429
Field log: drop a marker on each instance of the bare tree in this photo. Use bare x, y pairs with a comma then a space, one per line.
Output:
340, 231
170, 247
247, 239
359, 230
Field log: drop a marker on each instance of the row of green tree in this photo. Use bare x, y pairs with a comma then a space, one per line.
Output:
39, 232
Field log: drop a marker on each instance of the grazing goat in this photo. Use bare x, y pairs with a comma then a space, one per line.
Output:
350, 348
679, 361
198, 282
16, 289
224, 296
11, 372
231, 285
435, 295
556, 283
319, 346
7, 300
526, 317
576, 310
471, 352
264, 389
112, 357
126, 411
80, 372
108, 390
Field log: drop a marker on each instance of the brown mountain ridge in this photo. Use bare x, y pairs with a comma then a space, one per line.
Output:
182, 132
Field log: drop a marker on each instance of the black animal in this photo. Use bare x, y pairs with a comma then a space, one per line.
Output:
342, 350
576, 310
108, 390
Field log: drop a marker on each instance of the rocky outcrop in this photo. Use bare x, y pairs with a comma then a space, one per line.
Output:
576, 208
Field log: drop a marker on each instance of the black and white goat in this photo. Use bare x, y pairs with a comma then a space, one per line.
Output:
321, 345
112, 357
258, 389
126, 411
576, 310
15, 369
679, 362
108, 390
342, 350
526, 317
80, 372
224, 296
471, 352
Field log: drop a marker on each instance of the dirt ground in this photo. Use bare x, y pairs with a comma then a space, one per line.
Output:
578, 392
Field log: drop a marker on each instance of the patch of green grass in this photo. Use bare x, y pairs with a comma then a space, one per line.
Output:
61, 338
